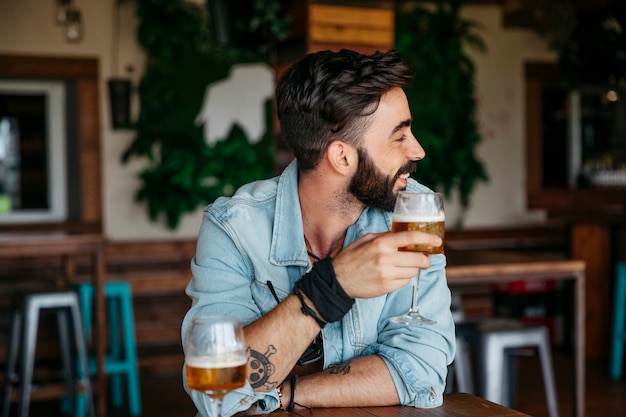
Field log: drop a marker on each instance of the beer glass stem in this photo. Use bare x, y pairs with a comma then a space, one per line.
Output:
414, 311
216, 405
413, 316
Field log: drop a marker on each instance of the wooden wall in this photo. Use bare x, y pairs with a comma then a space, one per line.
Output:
366, 28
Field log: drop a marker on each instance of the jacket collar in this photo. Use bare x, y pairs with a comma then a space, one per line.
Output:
287, 247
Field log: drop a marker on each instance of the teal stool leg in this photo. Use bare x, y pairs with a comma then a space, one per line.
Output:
122, 350
130, 348
619, 322
85, 295
113, 305
81, 405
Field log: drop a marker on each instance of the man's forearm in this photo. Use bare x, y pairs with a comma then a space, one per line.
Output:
364, 381
277, 340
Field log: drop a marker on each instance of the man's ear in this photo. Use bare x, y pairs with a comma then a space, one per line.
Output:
342, 157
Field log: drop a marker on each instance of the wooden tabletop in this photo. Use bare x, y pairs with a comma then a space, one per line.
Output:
482, 266
454, 405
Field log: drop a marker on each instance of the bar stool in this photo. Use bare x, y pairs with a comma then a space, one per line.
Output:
493, 339
618, 335
24, 326
121, 357
460, 373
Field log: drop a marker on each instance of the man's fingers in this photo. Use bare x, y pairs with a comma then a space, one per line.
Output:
410, 259
414, 237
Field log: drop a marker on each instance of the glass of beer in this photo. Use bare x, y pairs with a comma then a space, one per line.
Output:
423, 212
215, 357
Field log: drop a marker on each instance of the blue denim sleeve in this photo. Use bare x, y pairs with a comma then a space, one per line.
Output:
418, 357
236, 401
220, 284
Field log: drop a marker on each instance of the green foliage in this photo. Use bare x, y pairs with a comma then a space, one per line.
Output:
442, 96
183, 172
168, 28
269, 22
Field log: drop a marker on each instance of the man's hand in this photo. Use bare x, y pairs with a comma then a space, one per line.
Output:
372, 265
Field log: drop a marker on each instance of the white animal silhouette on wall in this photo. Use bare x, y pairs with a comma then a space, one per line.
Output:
240, 99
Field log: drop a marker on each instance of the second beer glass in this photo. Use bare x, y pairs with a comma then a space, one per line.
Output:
215, 357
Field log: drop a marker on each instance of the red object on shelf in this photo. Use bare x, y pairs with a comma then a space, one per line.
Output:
525, 287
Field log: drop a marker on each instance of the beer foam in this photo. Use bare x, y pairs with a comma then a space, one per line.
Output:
418, 218
216, 361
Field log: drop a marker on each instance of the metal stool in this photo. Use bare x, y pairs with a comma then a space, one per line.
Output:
460, 370
493, 340
460, 373
25, 325
121, 357
618, 334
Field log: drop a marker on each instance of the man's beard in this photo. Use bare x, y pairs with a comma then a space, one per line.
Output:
373, 188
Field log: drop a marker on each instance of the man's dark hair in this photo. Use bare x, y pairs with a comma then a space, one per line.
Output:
328, 95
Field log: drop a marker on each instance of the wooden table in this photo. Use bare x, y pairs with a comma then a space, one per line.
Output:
467, 268
68, 247
454, 405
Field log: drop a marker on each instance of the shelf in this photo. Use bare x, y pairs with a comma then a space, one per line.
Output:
568, 151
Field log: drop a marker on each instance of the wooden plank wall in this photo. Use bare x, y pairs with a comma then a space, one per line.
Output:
365, 29
158, 273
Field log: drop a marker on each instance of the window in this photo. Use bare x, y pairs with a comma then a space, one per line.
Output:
33, 152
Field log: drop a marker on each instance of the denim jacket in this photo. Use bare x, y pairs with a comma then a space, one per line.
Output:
257, 236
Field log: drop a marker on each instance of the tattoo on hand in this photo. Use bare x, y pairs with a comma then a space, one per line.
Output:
342, 368
261, 367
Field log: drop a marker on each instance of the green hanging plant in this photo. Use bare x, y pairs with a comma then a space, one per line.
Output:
183, 172
442, 97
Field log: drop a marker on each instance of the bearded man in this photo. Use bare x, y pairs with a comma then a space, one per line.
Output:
306, 260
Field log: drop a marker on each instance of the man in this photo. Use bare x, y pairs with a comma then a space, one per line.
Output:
307, 262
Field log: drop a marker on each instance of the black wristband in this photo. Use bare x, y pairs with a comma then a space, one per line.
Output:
324, 291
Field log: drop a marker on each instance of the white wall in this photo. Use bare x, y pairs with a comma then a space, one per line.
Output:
27, 27
501, 101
